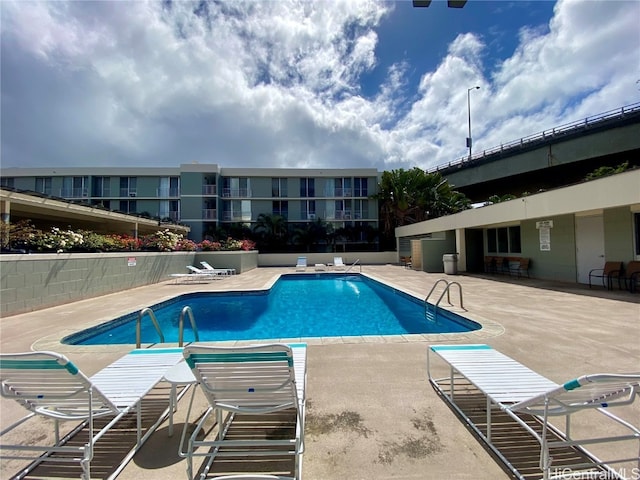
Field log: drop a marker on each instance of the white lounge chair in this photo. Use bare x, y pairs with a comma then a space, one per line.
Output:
49, 385
252, 380
222, 271
529, 399
301, 264
203, 272
338, 264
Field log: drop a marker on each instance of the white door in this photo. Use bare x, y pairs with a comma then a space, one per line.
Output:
589, 245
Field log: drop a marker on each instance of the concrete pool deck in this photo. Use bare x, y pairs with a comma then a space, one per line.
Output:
371, 412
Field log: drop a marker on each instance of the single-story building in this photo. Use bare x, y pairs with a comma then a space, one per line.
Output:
565, 232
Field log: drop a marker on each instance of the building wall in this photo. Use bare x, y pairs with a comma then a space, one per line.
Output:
193, 200
35, 281
559, 263
618, 234
615, 197
363, 258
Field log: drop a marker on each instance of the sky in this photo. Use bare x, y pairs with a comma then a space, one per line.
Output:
302, 84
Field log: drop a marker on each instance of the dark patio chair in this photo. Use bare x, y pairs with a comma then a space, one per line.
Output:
630, 277
610, 271
520, 268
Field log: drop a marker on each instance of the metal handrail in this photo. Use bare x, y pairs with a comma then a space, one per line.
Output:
353, 265
448, 297
141, 313
545, 135
446, 290
434, 287
187, 309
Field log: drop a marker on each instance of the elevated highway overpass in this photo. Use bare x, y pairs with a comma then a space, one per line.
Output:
557, 157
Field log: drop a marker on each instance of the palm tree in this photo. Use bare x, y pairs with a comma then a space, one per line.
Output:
271, 230
410, 196
312, 234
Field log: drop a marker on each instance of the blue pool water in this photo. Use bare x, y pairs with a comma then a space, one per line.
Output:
324, 305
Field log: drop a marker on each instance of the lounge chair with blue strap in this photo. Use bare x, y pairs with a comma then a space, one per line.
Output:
301, 264
530, 401
50, 385
263, 381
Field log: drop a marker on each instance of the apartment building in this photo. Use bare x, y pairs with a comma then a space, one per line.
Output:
207, 196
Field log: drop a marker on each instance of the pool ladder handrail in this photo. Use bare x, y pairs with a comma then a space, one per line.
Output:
187, 310
447, 291
154, 320
353, 265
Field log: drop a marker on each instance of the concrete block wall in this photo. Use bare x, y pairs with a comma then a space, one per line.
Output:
242, 261
33, 281
289, 259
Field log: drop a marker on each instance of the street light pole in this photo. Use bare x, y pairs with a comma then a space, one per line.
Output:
469, 110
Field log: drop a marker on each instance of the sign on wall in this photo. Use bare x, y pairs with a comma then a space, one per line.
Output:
544, 229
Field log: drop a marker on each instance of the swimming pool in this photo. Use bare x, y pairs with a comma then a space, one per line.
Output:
297, 306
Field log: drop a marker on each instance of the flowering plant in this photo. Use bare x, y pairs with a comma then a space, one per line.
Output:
24, 235
248, 245
187, 245
57, 240
209, 246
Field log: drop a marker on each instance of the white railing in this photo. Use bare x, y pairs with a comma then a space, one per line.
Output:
209, 190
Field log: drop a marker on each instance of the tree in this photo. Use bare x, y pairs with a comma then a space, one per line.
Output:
312, 234
410, 196
271, 231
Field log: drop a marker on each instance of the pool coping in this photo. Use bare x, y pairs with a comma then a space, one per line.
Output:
488, 328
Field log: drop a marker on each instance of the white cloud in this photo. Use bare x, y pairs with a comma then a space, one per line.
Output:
278, 84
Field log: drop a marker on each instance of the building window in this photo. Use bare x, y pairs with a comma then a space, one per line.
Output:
43, 185
360, 187
307, 187
308, 209
7, 182
128, 186
101, 187
361, 209
339, 187
279, 187
209, 185
280, 208
514, 240
128, 206
75, 187
169, 187
236, 187
237, 211
504, 240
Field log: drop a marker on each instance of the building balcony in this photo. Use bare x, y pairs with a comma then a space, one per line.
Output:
128, 192
236, 217
209, 189
338, 192
105, 192
74, 193
340, 215
209, 214
168, 192
236, 193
